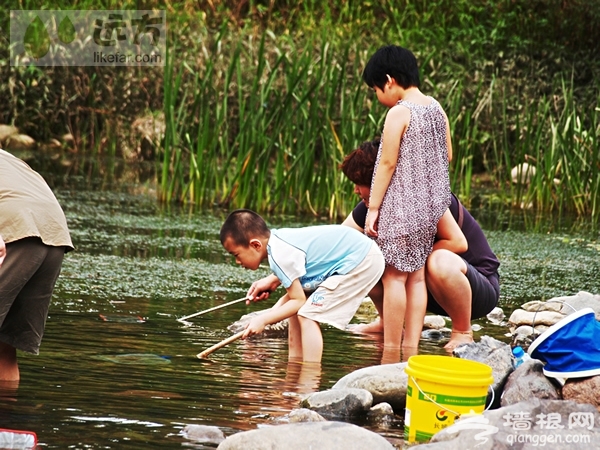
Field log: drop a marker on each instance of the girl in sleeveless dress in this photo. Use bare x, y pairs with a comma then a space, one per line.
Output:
410, 189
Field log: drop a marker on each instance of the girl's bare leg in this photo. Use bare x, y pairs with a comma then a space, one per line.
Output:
416, 306
394, 306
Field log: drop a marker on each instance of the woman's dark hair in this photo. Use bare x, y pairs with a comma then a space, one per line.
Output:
358, 166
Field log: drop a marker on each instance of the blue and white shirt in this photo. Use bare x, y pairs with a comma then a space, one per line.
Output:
313, 254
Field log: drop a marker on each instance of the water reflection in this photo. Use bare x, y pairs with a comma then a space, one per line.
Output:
118, 371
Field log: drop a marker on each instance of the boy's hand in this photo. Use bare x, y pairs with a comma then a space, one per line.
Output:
261, 289
255, 326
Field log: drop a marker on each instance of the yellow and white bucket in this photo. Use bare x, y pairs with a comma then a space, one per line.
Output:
440, 389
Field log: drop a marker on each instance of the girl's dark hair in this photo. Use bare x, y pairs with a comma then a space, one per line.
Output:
242, 225
395, 61
358, 166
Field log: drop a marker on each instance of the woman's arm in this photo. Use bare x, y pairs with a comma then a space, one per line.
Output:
350, 222
449, 235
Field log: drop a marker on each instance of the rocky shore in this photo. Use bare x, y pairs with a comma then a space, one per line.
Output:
525, 409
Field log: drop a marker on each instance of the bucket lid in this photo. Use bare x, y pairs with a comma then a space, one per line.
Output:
571, 347
449, 370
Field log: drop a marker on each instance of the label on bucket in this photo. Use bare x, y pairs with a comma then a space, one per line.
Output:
431, 407
451, 399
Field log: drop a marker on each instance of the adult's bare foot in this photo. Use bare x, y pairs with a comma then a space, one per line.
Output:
457, 338
370, 328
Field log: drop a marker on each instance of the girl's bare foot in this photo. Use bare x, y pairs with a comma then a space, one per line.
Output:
457, 338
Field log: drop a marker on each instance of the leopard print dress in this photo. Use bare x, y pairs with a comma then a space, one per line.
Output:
419, 190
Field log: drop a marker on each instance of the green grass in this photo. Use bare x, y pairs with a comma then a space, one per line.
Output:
262, 99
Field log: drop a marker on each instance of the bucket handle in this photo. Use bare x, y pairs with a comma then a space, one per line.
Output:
457, 414
540, 307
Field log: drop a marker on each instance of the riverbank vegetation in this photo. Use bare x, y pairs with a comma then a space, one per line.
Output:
259, 101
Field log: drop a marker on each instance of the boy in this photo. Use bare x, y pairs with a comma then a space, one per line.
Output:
335, 266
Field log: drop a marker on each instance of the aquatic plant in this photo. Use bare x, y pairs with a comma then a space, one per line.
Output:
263, 98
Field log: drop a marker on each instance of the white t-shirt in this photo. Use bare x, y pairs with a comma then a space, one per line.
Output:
313, 254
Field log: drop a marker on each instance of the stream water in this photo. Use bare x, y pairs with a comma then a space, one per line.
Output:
117, 370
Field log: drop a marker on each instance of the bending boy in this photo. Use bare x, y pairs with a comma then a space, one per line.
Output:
332, 266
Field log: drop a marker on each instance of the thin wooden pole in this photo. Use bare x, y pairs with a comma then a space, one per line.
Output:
221, 344
233, 302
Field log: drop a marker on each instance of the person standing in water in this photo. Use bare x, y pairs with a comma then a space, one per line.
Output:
410, 190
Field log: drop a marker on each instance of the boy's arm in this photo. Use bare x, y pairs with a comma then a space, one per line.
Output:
396, 121
287, 308
261, 289
449, 235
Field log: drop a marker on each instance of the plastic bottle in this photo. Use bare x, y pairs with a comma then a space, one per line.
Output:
520, 356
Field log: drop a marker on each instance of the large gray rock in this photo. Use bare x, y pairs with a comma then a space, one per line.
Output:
299, 415
521, 317
539, 305
381, 415
579, 301
205, 434
529, 425
583, 390
496, 315
307, 436
386, 383
339, 403
528, 381
496, 354
434, 322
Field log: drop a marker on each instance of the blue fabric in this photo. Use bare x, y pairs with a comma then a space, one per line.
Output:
313, 254
571, 347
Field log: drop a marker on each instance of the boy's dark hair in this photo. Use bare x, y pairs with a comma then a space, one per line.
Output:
242, 225
395, 61
358, 166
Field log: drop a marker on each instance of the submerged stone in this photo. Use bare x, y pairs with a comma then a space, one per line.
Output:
137, 358
315, 435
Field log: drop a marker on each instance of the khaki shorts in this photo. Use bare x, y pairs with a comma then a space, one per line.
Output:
27, 279
337, 298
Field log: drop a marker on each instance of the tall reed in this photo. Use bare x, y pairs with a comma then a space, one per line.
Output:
268, 129
262, 122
